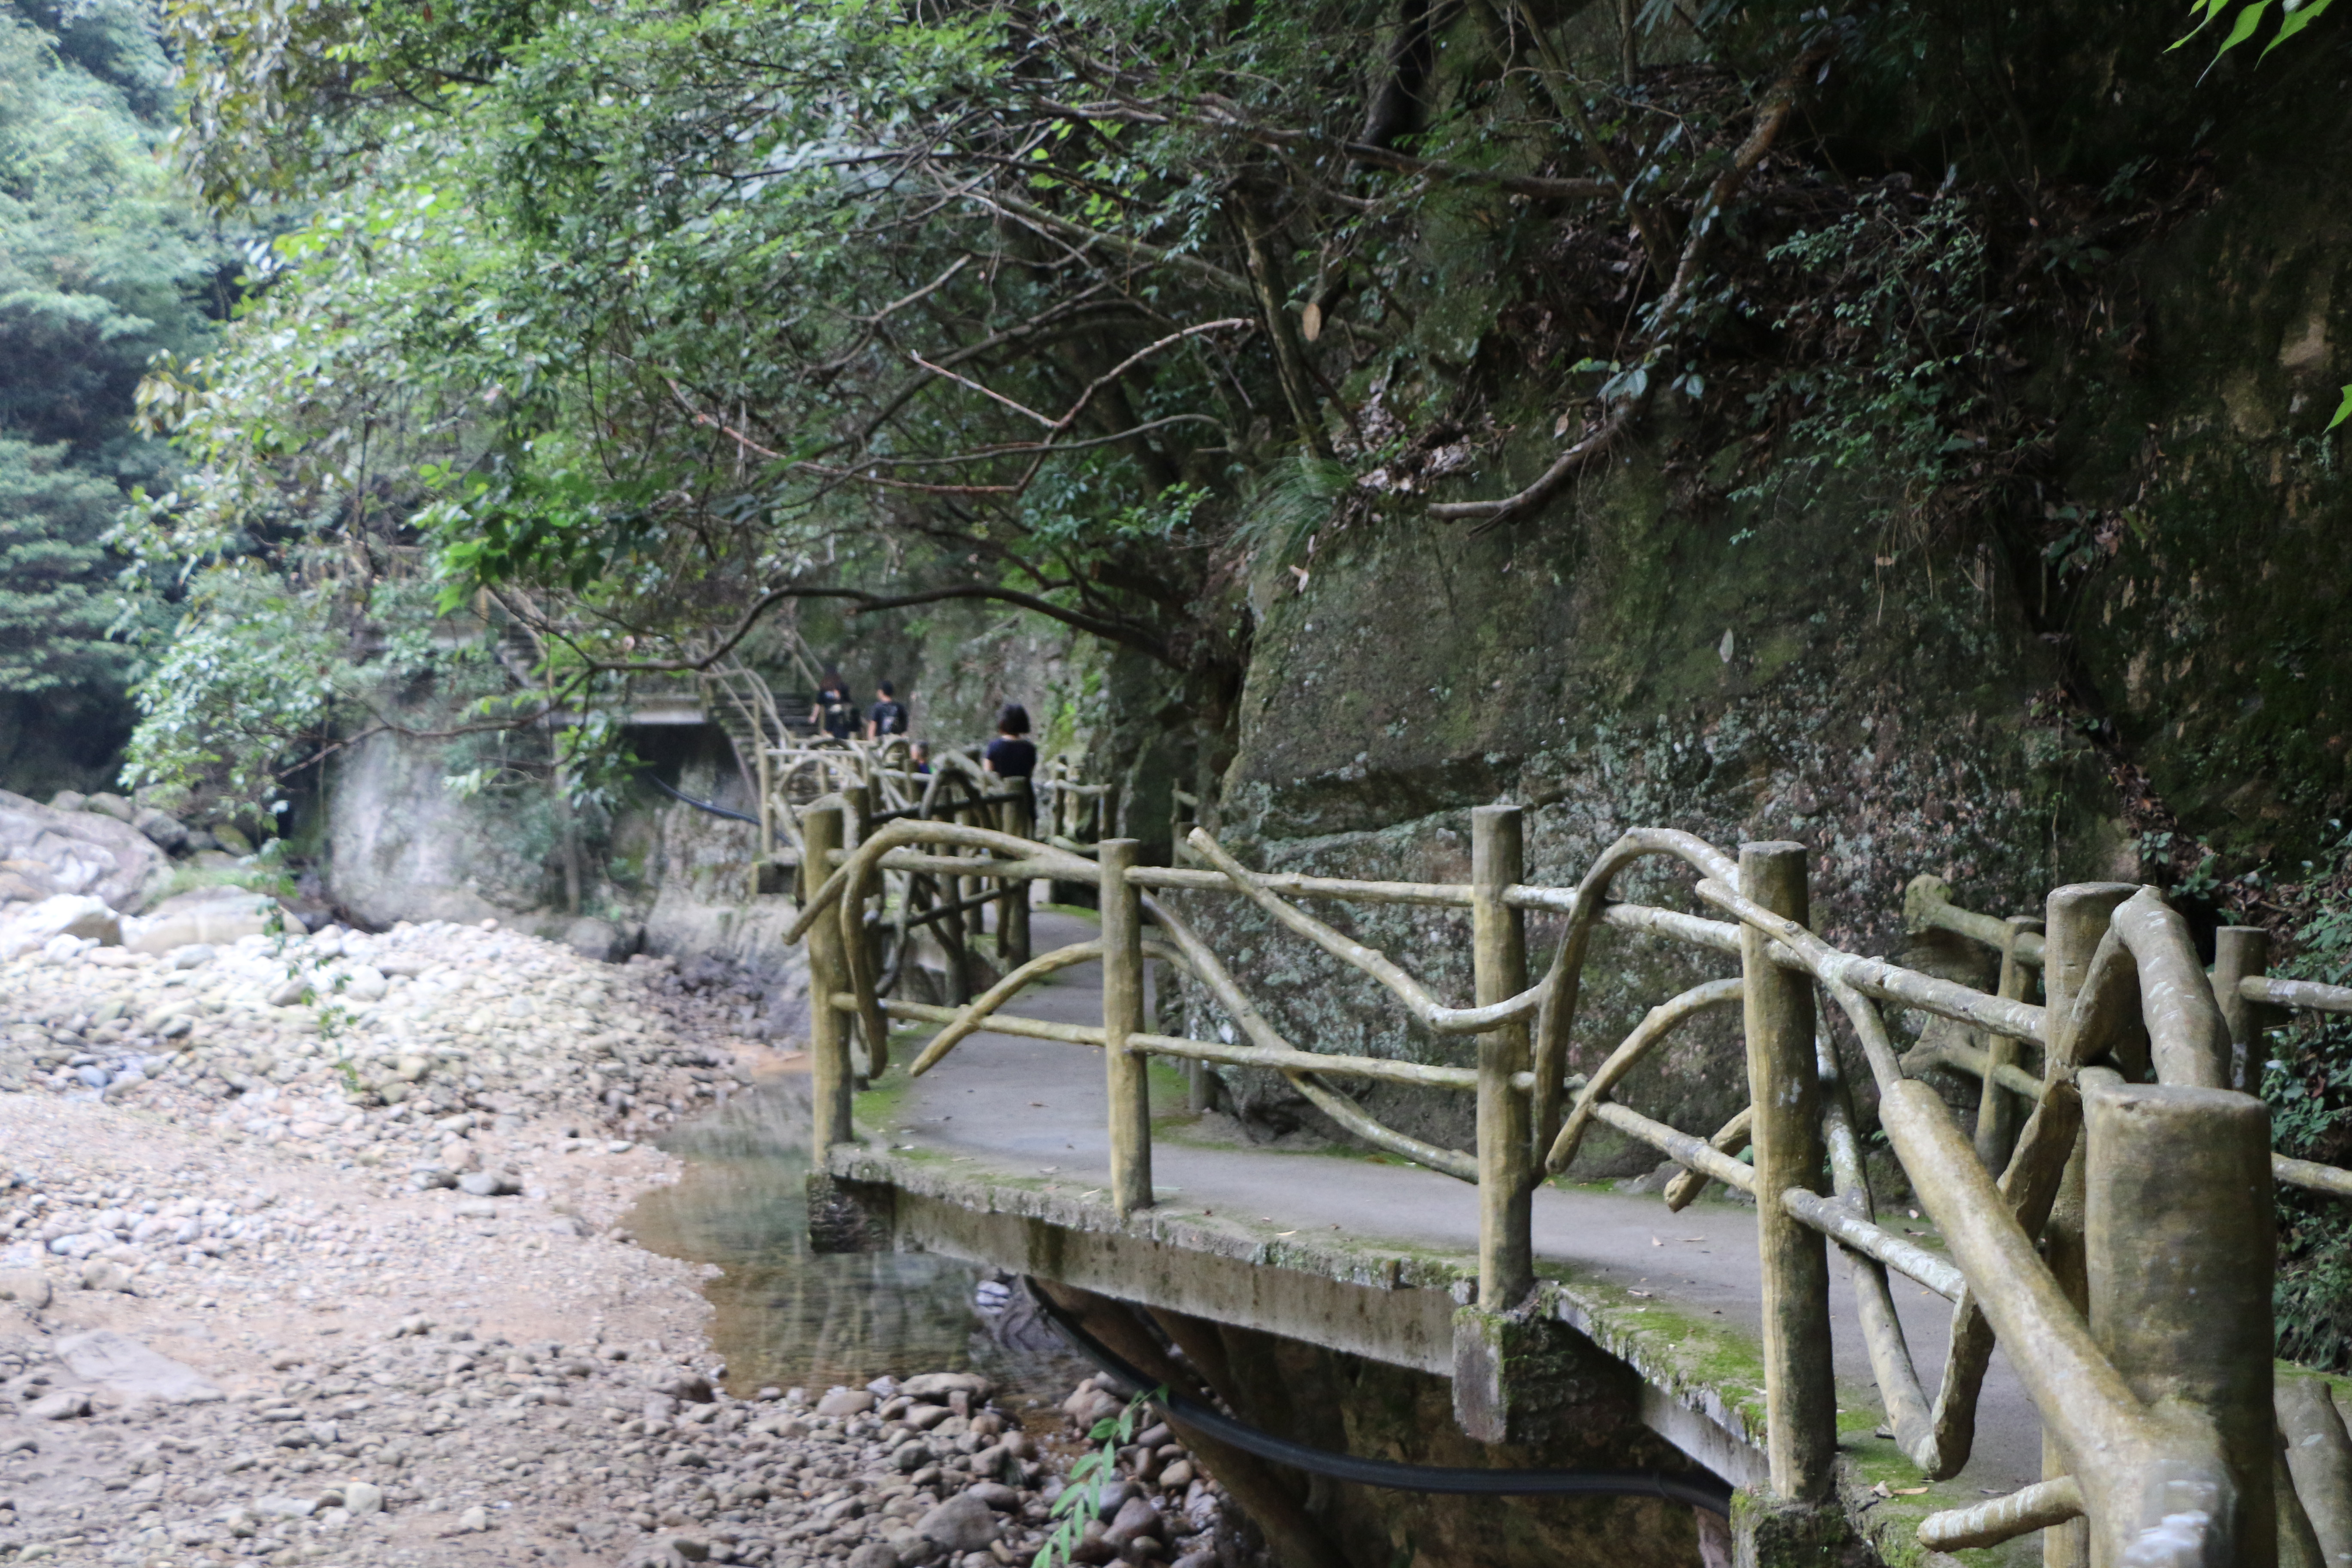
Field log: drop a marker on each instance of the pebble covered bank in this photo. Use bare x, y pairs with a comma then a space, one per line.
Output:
315, 1249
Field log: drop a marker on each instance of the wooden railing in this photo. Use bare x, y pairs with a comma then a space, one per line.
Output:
2252, 1003
2111, 1227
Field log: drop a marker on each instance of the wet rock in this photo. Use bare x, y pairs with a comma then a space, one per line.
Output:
963, 1523
875, 1554
1136, 1517
163, 830
684, 1384
845, 1401
934, 1387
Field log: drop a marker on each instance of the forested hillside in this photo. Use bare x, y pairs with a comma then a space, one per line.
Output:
652, 320
104, 262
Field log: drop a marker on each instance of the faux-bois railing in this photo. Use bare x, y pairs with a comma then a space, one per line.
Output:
2144, 1340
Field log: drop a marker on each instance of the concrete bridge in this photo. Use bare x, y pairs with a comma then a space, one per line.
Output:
2068, 1355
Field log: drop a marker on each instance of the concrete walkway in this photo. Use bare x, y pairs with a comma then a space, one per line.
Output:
1031, 1108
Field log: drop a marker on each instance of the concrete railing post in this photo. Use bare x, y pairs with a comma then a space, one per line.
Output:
2178, 1254
1997, 1110
2240, 952
2077, 916
1784, 1085
1505, 1152
829, 1066
1016, 816
767, 802
865, 794
1122, 999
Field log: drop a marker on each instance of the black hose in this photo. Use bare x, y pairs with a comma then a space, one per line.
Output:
650, 778
1702, 1490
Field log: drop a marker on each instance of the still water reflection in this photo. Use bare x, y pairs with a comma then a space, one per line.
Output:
786, 1316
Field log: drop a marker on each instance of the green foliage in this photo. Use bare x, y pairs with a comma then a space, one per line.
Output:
102, 265
1082, 1494
1893, 312
2307, 1082
54, 610
2294, 16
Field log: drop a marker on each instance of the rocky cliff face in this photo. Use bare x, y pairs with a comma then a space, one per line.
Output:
1627, 664
2148, 681
401, 846
660, 876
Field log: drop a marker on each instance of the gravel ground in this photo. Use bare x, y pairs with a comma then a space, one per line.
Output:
313, 1250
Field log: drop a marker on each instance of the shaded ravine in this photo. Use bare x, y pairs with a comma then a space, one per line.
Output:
785, 1317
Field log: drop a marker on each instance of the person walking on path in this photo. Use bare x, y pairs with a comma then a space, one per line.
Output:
887, 716
1011, 755
835, 712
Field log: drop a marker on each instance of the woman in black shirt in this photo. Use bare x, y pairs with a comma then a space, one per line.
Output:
1011, 755
836, 711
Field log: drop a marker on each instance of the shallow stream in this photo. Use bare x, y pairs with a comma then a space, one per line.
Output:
786, 1316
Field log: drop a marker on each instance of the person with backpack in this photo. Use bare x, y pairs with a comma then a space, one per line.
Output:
835, 712
887, 716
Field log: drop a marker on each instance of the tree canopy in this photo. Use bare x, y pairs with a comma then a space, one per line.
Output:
104, 262
632, 324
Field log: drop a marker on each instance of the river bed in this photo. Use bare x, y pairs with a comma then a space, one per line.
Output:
785, 1317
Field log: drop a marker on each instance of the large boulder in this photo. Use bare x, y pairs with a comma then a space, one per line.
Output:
24, 927
590, 937
25, 881
401, 846
212, 916
79, 851
112, 805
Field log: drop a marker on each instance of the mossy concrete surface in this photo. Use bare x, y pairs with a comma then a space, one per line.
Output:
1697, 1380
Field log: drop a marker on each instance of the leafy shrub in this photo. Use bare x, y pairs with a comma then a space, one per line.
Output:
2308, 1083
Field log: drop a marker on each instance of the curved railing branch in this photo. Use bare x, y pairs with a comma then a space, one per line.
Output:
847, 887
1655, 1027
975, 1014
2021, 1512
1203, 964
2189, 1040
1550, 1050
1729, 1140
1027, 853
1427, 1009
